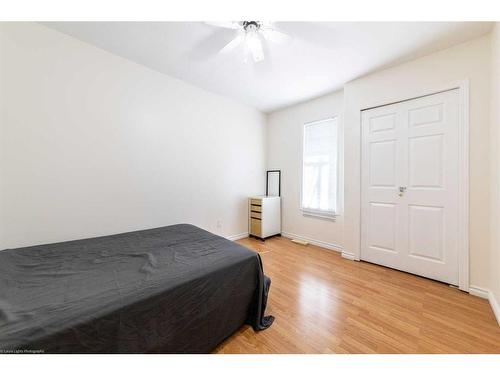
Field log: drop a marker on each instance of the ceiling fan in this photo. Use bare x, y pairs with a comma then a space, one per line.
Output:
252, 34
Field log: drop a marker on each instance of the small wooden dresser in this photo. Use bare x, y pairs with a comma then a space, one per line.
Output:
264, 216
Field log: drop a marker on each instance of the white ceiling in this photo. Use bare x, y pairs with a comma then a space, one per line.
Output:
320, 58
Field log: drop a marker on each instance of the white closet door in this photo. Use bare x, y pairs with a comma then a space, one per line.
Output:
409, 200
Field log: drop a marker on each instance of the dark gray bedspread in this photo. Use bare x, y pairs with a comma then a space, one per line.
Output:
176, 289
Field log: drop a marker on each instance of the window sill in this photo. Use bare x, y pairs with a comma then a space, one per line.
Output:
320, 215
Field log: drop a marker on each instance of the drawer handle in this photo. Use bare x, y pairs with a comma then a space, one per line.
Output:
257, 212
256, 218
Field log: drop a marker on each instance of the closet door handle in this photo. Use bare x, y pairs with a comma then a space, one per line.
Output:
402, 190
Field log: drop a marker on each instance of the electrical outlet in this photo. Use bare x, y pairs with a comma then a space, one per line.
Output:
219, 224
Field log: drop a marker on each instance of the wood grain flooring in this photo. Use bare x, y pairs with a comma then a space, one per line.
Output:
326, 304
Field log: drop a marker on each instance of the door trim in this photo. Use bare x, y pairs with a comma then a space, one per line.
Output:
463, 174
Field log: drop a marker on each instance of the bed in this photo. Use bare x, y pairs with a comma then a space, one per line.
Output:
175, 289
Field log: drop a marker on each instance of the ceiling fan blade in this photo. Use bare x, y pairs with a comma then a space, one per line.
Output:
267, 24
317, 33
225, 25
232, 44
210, 45
275, 36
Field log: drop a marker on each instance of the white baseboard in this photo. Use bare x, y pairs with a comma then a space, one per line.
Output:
487, 294
237, 236
479, 292
312, 241
495, 306
347, 255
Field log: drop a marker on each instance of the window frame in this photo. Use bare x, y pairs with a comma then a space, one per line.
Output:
310, 211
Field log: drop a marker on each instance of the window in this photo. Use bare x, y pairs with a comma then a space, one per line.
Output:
319, 168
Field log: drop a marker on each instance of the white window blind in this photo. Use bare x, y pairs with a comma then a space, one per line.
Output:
319, 168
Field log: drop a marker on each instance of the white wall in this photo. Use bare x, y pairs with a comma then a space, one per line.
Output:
495, 168
93, 144
471, 61
284, 151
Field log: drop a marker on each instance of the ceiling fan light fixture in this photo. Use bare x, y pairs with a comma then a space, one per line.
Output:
252, 35
254, 45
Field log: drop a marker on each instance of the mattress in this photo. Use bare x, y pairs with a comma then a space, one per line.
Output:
175, 289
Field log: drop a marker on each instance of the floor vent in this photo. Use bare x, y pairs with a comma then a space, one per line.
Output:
300, 242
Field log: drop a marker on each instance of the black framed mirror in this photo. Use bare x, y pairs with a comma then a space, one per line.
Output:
273, 183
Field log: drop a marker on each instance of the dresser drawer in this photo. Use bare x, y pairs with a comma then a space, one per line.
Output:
257, 202
256, 215
256, 227
255, 208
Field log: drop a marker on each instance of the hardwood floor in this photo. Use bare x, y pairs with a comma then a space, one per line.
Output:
326, 304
